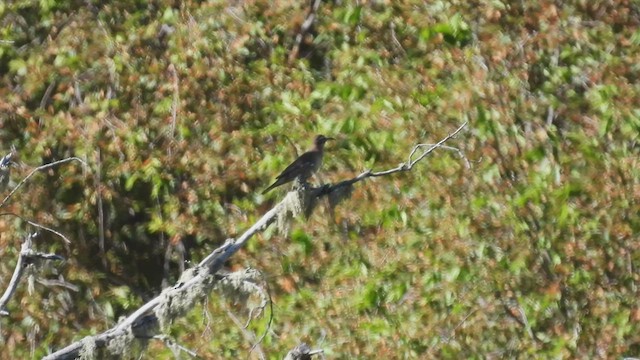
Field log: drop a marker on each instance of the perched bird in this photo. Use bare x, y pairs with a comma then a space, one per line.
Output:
304, 166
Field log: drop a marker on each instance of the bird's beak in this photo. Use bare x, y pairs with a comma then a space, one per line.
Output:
329, 138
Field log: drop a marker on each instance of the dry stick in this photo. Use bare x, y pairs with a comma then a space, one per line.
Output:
392, 27
293, 146
213, 263
402, 167
39, 226
32, 223
58, 282
169, 342
304, 29
17, 274
453, 332
176, 98
42, 167
98, 179
26, 253
49, 230
248, 335
261, 308
47, 94
216, 259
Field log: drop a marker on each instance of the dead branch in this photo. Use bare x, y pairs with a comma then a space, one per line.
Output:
175, 83
39, 226
407, 166
248, 335
27, 256
305, 28
175, 347
39, 168
200, 279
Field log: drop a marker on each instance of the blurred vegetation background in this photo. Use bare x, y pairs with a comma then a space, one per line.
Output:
185, 111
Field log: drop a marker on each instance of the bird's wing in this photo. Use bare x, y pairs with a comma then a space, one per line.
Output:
298, 166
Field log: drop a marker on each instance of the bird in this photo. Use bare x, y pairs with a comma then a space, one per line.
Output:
304, 166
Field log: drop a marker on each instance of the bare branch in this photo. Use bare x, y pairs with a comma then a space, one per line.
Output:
17, 274
248, 335
396, 42
26, 255
410, 163
39, 168
452, 333
203, 272
266, 299
47, 94
305, 28
462, 156
39, 226
175, 347
49, 230
98, 179
346, 184
176, 98
58, 282
437, 144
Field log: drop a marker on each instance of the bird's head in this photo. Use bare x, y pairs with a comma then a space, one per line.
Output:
320, 140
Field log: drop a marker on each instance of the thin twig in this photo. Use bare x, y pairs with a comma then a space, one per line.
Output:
98, 178
409, 165
47, 94
304, 29
39, 168
206, 318
58, 282
176, 98
397, 43
77, 92
26, 253
39, 226
261, 307
248, 335
263, 304
49, 230
327, 189
467, 163
17, 274
172, 343
293, 146
453, 332
269, 323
